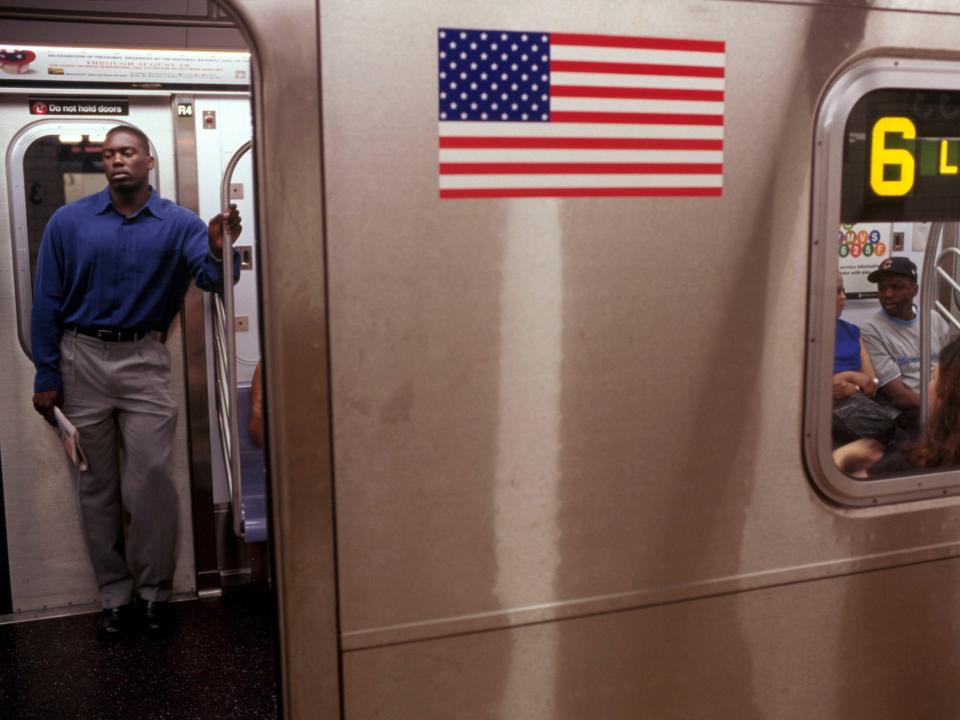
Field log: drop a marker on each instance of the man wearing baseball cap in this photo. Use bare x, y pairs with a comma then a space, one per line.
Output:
892, 335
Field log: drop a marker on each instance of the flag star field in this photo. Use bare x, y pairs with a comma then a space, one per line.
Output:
494, 76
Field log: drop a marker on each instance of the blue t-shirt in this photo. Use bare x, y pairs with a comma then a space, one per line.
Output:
846, 353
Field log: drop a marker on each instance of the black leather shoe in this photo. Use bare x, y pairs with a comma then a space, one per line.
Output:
113, 623
156, 618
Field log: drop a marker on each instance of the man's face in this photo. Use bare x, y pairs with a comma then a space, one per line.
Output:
126, 162
896, 295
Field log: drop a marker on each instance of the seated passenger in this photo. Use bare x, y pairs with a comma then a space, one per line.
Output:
939, 443
255, 426
892, 336
855, 413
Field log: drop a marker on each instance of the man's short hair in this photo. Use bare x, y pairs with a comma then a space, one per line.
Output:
137, 133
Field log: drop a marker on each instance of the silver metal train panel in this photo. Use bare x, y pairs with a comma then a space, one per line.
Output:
566, 434
562, 409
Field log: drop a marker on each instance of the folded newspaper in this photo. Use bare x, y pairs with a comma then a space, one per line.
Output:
71, 440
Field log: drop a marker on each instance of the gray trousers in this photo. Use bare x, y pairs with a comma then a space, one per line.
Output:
118, 396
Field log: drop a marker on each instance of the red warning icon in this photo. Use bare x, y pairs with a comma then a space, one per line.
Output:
38, 107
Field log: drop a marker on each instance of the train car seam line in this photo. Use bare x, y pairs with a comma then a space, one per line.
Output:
422, 631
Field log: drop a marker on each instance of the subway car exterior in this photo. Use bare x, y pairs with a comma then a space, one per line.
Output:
553, 442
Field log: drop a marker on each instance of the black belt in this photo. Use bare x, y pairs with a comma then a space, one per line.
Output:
109, 335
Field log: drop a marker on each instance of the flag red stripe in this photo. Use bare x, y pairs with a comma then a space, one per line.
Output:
640, 43
636, 118
585, 91
560, 143
579, 192
635, 68
568, 168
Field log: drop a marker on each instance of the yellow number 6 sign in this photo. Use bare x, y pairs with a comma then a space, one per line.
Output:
882, 156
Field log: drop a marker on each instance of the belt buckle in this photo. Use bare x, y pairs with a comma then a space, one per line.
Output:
106, 335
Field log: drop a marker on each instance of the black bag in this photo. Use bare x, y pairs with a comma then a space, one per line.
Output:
859, 416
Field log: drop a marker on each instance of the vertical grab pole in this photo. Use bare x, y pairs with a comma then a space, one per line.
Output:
231, 431
928, 293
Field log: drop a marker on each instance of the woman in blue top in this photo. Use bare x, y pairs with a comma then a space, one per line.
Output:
852, 369
855, 413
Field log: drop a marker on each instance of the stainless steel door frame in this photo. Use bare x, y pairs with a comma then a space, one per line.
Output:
291, 221
195, 371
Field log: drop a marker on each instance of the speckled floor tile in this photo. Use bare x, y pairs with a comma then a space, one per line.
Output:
218, 664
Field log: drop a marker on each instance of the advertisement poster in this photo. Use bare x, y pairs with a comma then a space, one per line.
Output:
861, 248
131, 67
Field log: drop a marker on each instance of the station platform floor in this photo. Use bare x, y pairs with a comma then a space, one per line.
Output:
219, 663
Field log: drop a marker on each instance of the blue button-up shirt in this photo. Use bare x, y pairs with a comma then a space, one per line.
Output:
99, 269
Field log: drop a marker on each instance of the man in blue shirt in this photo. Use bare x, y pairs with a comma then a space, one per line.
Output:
111, 275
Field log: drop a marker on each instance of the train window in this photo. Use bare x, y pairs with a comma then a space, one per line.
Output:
49, 164
884, 290
56, 170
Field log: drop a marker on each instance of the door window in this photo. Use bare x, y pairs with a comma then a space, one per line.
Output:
50, 164
882, 283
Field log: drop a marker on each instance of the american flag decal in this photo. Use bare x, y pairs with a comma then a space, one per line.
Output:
534, 114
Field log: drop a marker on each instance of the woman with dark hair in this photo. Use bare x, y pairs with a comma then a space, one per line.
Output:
938, 444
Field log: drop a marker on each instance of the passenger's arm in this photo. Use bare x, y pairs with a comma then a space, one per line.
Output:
900, 395
45, 401
866, 367
215, 230
881, 358
850, 382
854, 458
46, 326
844, 385
201, 239
255, 428
855, 381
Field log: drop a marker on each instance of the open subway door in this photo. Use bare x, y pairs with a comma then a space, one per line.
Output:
53, 158
51, 125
